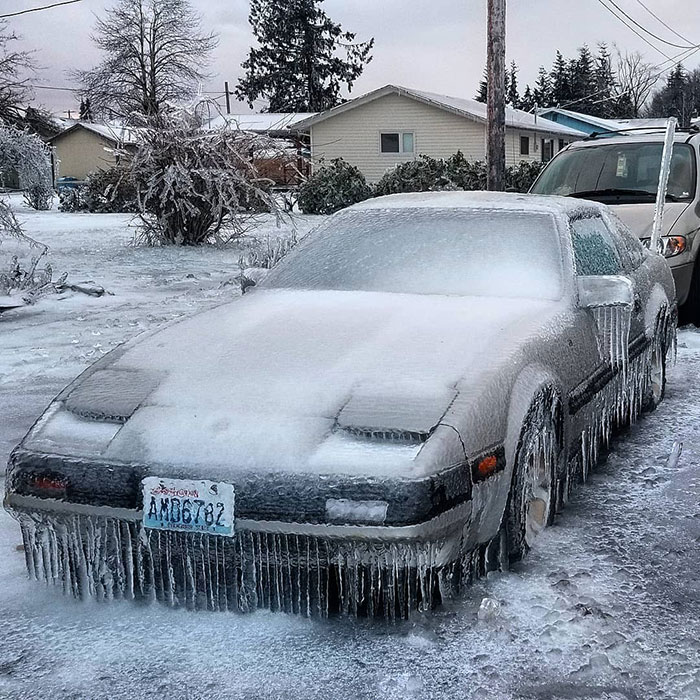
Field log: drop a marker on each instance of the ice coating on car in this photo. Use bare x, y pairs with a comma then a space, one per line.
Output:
372, 409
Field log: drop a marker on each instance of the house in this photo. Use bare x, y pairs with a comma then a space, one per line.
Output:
395, 124
86, 147
286, 162
597, 125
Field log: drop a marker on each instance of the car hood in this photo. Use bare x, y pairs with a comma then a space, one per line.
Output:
640, 217
289, 380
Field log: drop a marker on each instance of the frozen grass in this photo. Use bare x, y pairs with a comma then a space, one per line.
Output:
606, 606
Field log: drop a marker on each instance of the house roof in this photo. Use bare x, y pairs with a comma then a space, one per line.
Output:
470, 109
606, 124
268, 122
116, 133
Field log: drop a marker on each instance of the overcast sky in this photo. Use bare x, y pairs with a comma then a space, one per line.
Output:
435, 45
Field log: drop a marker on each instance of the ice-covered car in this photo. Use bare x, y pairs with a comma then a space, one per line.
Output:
408, 397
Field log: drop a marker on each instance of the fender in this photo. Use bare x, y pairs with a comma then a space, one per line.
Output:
490, 498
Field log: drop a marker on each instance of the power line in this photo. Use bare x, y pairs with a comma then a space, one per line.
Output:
39, 9
643, 28
650, 33
631, 28
656, 17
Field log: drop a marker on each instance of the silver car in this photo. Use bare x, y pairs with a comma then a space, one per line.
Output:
622, 171
405, 401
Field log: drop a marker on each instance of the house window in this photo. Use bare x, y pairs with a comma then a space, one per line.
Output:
562, 144
547, 150
397, 142
524, 145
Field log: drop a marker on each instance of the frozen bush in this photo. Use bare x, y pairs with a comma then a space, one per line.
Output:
465, 174
72, 199
28, 156
424, 174
195, 186
110, 191
521, 176
332, 187
19, 259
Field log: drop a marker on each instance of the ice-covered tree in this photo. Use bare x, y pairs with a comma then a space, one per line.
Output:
155, 52
302, 58
86, 110
512, 94
195, 185
16, 67
28, 156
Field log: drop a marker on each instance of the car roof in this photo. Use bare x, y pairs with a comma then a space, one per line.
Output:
652, 136
505, 201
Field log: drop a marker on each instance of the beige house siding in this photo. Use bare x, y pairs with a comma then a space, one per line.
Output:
82, 152
354, 135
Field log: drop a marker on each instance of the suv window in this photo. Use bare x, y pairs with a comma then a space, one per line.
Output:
594, 248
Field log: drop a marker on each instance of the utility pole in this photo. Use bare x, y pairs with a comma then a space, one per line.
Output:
496, 95
228, 98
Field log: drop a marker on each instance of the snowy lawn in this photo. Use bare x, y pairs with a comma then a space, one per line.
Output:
606, 606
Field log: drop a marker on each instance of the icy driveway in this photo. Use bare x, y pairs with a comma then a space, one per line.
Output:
608, 606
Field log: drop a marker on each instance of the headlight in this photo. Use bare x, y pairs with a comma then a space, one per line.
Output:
668, 246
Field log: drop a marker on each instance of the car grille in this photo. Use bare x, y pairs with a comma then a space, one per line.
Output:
108, 558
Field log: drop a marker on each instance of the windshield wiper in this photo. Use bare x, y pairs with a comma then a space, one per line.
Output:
613, 192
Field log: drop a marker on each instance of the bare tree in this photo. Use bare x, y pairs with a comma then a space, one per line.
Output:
16, 68
636, 79
155, 52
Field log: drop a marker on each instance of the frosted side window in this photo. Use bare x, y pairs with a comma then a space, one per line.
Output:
594, 248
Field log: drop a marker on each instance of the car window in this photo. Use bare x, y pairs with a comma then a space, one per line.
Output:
594, 247
632, 245
429, 250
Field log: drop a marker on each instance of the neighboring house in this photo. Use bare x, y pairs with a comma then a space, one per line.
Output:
286, 162
394, 124
598, 125
86, 147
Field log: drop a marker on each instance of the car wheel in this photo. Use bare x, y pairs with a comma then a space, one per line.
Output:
532, 499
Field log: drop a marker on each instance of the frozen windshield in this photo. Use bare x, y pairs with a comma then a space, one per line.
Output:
619, 173
429, 251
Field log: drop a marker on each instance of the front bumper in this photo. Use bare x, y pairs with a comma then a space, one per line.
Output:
92, 541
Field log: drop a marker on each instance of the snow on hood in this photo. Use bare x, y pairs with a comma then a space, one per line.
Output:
640, 217
259, 384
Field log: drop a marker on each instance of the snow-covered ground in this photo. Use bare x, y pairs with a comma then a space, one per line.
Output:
606, 606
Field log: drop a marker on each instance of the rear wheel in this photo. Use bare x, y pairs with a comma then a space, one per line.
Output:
532, 500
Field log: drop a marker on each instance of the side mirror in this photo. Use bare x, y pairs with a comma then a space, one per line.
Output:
605, 290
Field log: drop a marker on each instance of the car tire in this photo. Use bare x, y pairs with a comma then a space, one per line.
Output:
690, 311
533, 494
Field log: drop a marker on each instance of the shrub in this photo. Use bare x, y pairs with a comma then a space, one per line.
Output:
464, 174
195, 186
333, 187
72, 199
110, 191
421, 175
521, 176
27, 155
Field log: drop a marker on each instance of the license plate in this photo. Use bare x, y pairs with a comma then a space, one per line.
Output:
188, 506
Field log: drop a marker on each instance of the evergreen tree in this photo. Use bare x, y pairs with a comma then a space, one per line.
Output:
542, 93
483, 93
527, 101
512, 94
605, 85
582, 79
560, 80
298, 64
86, 110
678, 98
